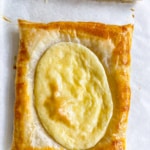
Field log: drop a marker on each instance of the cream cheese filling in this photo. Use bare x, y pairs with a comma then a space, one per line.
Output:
72, 95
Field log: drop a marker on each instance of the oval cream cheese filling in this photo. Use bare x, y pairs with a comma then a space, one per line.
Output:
72, 95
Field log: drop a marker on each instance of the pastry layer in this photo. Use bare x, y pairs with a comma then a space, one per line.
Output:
111, 44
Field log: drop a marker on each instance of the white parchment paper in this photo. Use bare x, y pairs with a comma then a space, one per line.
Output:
138, 133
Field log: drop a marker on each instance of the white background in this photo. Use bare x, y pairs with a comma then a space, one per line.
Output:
138, 133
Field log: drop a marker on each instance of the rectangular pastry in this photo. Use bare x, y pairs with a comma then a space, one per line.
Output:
72, 86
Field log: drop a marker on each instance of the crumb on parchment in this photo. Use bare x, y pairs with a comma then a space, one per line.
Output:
6, 19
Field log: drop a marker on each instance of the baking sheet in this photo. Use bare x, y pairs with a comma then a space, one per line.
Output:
138, 133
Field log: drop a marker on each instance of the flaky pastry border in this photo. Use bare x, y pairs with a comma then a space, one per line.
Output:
118, 78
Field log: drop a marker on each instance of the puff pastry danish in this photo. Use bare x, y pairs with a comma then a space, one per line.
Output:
72, 86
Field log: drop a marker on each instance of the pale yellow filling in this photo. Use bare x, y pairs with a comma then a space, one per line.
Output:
72, 95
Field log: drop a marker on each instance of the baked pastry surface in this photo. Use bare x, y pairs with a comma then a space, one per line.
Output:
45, 111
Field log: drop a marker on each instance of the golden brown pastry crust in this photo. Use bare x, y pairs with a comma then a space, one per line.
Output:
118, 74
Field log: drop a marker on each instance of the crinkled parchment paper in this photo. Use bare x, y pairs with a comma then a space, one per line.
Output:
138, 133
